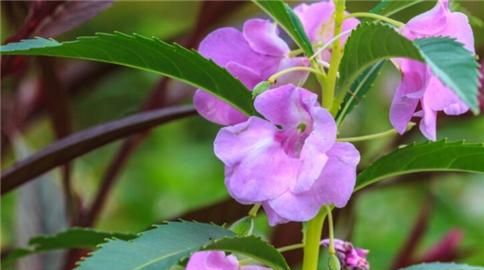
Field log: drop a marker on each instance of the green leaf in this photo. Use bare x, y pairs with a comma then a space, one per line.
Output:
243, 226
442, 266
159, 248
359, 88
72, 238
149, 54
455, 66
288, 20
372, 42
390, 7
431, 156
254, 248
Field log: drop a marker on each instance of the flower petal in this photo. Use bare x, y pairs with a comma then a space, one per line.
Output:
257, 168
296, 207
262, 36
441, 98
246, 75
313, 17
286, 105
441, 21
337, 181
408, 94
228, 44
212, 260
313, 153
428, 124
429, 23
272, 216
296, 77
216, 110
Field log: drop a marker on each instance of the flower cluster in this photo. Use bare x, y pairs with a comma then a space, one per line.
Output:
287, 157
419, 86
290, 161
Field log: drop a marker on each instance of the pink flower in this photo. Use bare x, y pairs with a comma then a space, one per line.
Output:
290, 161
351, 258
419, 85
252, 56
217, 260
318, 22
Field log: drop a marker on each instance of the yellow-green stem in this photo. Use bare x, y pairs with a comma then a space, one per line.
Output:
253, 211
331, 231
376, 17
375, 135
312, 241
275, 76
336, 54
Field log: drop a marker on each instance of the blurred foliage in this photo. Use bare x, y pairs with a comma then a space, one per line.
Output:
175, 170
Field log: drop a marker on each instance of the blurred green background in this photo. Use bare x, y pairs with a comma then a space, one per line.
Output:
175, 171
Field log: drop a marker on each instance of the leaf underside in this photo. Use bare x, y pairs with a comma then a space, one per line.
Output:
149, 54
431, 156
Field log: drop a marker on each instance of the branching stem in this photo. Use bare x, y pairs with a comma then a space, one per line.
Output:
393, 22
375, 135
272, 79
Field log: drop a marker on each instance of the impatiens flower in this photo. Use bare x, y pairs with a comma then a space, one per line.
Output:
290, 161
351, 258
318, 22
217, 260
252, 56
419, 85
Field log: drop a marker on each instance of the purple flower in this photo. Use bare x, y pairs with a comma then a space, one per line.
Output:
251, 56
351, 258
217, 260
318, 22
419, 85
290, 161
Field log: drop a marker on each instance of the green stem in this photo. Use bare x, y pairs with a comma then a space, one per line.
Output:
336, 54
376, 17
312, 241
331, 231
272, 79
291, 247
253, 211
375, 135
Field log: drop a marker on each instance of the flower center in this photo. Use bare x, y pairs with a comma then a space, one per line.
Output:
292, 139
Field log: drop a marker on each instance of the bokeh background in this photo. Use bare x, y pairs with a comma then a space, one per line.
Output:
173, 172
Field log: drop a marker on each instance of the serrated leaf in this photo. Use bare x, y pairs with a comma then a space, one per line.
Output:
431, 156
159, 248
455, 66
442, 266
149, 54
288, 20
72, 238
390, 7
359, 88
254, 248
372, 42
